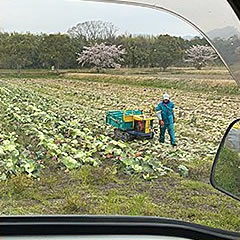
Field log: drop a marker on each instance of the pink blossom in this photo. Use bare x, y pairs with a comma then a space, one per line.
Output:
101, 56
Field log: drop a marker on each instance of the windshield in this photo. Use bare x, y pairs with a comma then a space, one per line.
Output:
111, 109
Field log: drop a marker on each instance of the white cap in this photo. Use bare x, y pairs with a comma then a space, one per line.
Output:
165, 96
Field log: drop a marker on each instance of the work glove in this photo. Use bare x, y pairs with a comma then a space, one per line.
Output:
161, 122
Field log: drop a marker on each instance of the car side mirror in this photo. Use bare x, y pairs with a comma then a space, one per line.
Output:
225, 175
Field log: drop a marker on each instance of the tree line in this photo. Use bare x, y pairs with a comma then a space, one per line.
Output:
42, 51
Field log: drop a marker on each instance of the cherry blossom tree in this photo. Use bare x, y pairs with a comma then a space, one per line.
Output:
199, 55
101, 56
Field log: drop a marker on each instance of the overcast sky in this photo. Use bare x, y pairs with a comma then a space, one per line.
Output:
59, 15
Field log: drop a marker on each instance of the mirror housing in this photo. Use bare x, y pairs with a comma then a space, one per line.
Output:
225, 174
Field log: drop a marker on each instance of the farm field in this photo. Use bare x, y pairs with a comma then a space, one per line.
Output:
58, 156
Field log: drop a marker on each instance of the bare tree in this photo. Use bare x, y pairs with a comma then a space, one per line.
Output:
199, 55
92, 31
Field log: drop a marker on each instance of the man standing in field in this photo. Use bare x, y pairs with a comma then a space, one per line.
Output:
165, 114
